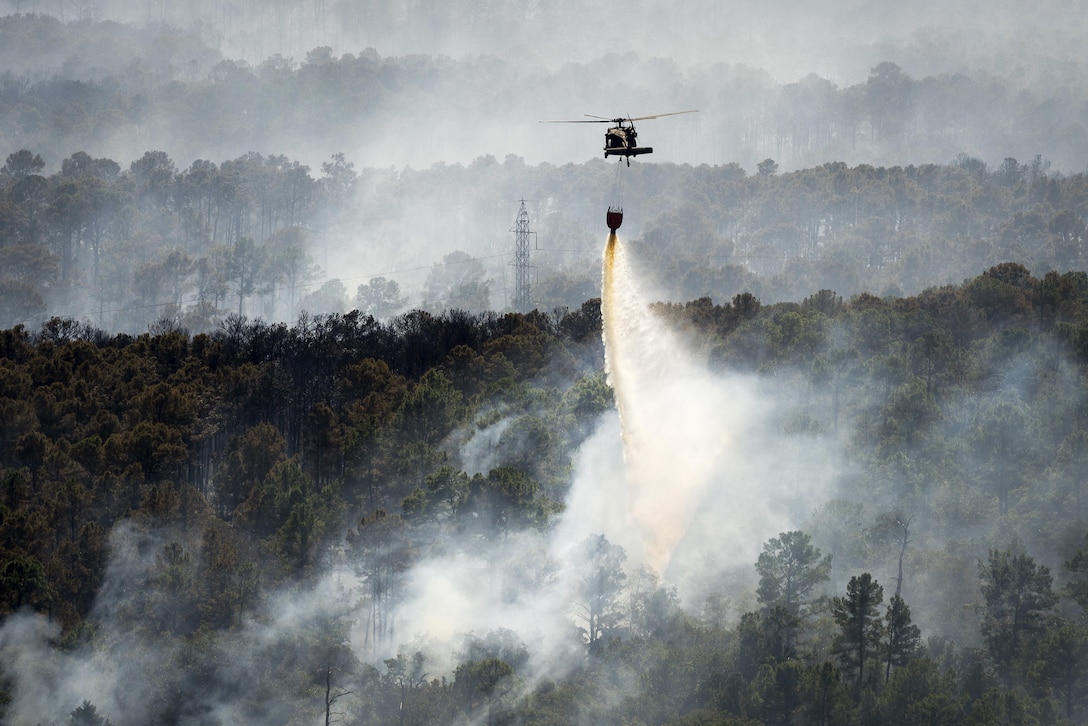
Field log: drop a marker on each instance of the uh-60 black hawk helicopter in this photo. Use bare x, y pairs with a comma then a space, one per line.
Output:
621, 139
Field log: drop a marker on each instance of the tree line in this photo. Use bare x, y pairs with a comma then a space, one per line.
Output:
129, 248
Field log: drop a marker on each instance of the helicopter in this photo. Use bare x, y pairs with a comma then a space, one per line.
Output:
622, 138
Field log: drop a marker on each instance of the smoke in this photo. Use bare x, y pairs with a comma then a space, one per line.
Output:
691, 476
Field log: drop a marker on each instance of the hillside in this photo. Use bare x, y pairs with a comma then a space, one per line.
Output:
173, 498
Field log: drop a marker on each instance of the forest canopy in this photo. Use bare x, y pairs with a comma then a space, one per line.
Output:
244, 460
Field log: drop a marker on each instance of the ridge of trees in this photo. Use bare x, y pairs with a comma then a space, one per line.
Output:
266, 448
151, 244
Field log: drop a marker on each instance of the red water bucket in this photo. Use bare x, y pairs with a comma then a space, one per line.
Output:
614, 218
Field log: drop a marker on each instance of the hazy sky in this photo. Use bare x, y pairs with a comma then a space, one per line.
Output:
838, 39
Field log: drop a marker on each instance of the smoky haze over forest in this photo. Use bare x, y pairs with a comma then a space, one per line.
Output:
431, 142
849, 332
402, 89
474, 78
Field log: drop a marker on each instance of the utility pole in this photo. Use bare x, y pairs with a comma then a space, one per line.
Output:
522, 299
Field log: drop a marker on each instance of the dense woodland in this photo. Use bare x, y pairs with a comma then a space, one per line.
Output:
260, 378
265, 450
125, 248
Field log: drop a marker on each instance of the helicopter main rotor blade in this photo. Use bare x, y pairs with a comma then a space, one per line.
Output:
603, 120
577, 121
662, 115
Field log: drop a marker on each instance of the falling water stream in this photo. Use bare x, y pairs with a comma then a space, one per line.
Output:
670, 446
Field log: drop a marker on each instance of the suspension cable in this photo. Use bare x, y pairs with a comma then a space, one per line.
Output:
617, 187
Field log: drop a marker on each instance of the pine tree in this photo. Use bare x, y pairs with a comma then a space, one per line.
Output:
1018, 598
861, 629
903, 636
790, 568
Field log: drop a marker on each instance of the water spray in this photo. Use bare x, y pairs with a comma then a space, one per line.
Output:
668, 454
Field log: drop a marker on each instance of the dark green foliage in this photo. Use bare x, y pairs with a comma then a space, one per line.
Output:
903, 637
1062, 668
259, 444
87, 715
166, 425
1006, 706
507, 500
483, 684
824, 693
779, 689
790, 568
861, 629
24, 582
918, 694
1018, 599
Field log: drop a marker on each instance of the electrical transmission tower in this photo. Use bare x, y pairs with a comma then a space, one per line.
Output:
522, 300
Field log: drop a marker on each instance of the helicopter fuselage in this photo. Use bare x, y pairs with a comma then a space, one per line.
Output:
622, 140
